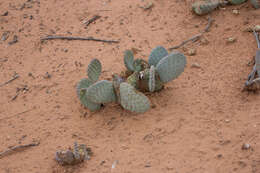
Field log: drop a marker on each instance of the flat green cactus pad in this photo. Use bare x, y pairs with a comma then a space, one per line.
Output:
255, 3
129, 60
132, 100
83, 84
143, 81
101, 92
204, 7
151, 82
171, 66
81, 92
156, 55
94, 70
133, 79
140, 64
236, 2
90, 105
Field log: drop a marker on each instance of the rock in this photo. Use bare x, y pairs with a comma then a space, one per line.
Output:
5, 13
235, 11
5, 35
15, 40
231, 40
204, 41
246, 146
195, 65
192, 52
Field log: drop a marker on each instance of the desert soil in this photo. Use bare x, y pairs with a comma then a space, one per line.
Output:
198, 123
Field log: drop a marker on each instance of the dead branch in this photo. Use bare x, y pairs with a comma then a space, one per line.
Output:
196, 37
9, 81
20, 113
17, 148
78, 38
93, 19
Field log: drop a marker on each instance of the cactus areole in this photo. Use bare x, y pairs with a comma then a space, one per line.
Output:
140, 76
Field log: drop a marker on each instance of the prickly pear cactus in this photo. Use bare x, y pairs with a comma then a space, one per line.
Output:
133, 79
101, 92
236, 2
204, 7
156, 55
94, 70
132, 100
129, 60
255, 3
151, 82
144, 79
81, 92
171, 66
140, 64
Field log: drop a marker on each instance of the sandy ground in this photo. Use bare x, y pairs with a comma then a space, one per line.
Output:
198, 124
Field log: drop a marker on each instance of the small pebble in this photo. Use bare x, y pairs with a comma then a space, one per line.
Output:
47, 75
5, 36
204, 41
235, 11
231, 40
192, 52
5, 13
15, 40
195, 65
227, 120
246, 146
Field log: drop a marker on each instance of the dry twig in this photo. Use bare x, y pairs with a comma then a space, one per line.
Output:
78, 38
18, 148
17, 114
93, 19
7, 82
196, 37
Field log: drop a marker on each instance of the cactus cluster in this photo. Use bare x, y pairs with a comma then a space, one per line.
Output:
202, 7
143, 76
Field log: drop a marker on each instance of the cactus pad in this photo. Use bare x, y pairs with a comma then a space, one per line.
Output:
101, 92
83, 84
129, 60
133, 79
143, 81
132, 100
171, 66
81, 92
236, 2
255, 3
140, 64
151, 82
94, 70
204, 7
156, 55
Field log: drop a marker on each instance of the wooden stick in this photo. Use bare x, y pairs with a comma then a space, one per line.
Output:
93, 19
196, 37
17, 148
9, 81
79, 38
17, 114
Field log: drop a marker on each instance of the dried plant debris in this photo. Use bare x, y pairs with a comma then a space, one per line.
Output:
253, 81
140, 76
75, 156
